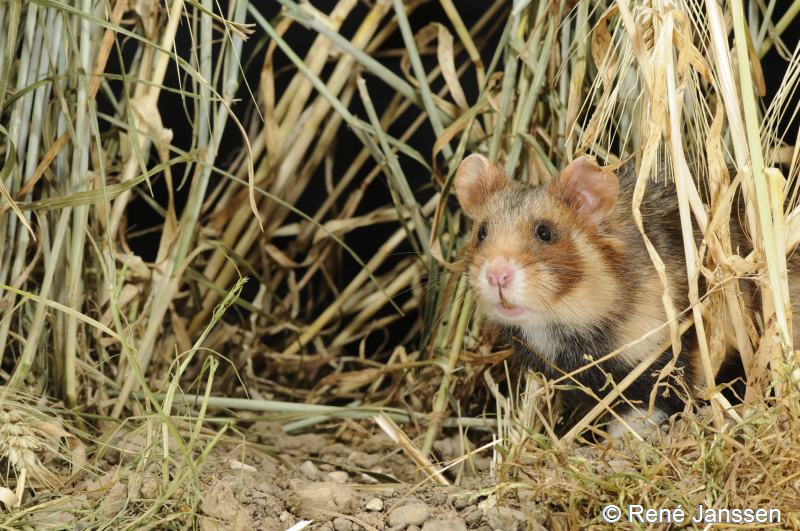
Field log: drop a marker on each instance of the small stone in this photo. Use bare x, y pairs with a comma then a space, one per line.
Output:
342, 524
375, 504
309, 470
371, 519
471, 515
308, 443
364, 460
334, 452
220, 502
407, 515
317, 500
286, 516
338, 476
505, 518
459, 501
452, 524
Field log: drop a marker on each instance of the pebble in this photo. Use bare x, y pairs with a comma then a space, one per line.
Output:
505, 518
309, 470
308, 443
342, 524
408, 515
471, 515
338, 476
315, 501
375, 504
453, 524
364, 460
220, 502
460, 501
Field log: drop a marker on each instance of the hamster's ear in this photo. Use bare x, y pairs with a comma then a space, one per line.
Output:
476, 180
588, 189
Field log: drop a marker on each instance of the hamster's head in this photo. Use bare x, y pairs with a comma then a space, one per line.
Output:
540, 254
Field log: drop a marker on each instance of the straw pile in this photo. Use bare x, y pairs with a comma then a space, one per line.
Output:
291, 273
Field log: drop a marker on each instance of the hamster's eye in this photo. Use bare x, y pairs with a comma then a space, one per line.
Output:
482, 232
544, 232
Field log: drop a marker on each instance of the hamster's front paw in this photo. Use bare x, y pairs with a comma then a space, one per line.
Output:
636, 421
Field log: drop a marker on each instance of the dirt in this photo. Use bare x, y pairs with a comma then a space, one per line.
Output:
314, 481
364, 483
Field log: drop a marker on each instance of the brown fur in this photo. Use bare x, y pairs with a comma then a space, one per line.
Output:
592, 288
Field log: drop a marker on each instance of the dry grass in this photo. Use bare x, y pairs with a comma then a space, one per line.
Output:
120, 342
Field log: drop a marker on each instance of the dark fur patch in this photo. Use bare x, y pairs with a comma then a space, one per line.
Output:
563, 261
579, 349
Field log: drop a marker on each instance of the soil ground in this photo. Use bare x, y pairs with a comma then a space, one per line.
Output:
352, 479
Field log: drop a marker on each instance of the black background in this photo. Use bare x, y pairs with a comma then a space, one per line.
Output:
142, 217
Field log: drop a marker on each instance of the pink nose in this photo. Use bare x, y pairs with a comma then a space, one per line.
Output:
500, 274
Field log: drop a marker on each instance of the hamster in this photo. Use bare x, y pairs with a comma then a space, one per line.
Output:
563, 269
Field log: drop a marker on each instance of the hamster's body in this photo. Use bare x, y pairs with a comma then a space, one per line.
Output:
563, 269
